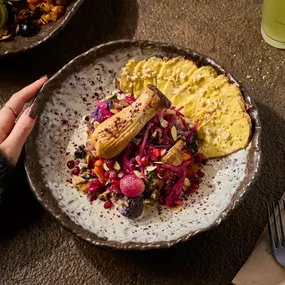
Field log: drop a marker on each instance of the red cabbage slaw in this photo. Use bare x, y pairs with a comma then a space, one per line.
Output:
164, 183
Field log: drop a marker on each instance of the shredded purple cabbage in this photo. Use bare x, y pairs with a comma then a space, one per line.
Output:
190, 136
159, 146
183, 133
128, 165
147, 145
176, 168
143, 145
101, 112
176, 189
129, 99
104, 109
109, 103
179, 109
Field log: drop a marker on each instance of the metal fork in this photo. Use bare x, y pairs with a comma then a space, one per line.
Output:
277, 242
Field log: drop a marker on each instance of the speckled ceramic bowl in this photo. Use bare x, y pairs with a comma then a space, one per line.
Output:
66, 98
21, 44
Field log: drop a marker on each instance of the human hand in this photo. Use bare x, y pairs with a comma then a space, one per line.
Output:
13, 134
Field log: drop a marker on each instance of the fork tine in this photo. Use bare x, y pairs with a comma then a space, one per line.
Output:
276, 228
281, 224
271, 238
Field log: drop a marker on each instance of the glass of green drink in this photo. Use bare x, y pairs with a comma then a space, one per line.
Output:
273, 23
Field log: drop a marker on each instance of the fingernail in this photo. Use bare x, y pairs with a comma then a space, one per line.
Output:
43, 76
34, 110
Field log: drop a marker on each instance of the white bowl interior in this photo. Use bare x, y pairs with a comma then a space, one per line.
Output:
61, 127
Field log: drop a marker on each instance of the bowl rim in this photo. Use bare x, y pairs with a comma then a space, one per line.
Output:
51, 205
37, 43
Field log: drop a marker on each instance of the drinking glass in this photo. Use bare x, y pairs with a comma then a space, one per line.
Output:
273, 23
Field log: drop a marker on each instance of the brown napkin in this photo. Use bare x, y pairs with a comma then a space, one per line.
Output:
261, 268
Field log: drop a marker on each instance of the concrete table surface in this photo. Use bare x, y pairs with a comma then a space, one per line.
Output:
34, 249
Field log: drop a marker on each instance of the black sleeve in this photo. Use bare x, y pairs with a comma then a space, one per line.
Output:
5, 168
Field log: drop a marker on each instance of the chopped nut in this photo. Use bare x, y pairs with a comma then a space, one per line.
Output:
83, 187
117, 166
121, 96
170, 112
182, 75
138, 174
174, 133
105, 166
154, 195
163, 123
77, 180
105, 195
187, 182
147, 202
150, 168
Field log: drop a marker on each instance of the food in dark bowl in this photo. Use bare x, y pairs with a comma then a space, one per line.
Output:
26, 17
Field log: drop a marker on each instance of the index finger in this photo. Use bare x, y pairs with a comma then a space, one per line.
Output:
17, 102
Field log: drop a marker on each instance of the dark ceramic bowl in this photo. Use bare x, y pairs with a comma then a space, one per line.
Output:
20, 44
67, 97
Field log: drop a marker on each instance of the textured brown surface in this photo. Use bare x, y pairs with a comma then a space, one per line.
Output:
35, 250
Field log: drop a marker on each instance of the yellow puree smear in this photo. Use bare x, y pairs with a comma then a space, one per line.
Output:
224, 125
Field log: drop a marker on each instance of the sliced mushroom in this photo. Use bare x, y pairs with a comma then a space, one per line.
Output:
174, 155
114, 134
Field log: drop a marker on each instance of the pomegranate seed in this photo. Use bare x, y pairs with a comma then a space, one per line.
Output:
76, 170
192, 189
108, 204
155, 153
158, 168
110, 163
107, 173
144, 161
92, 189
77, 162
115, 182
199, 158
96, 182
71, 164
92, 198
113, 175
200, 173
195, 185
115, 188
